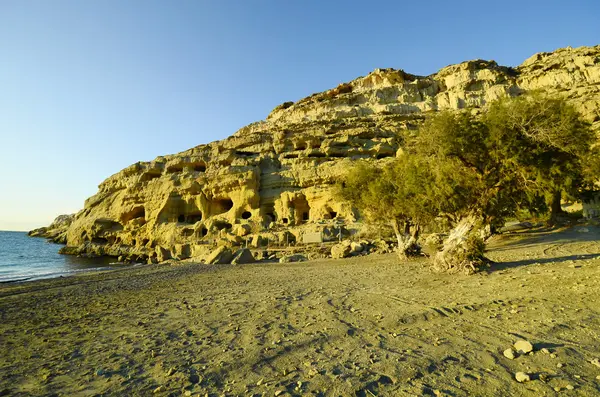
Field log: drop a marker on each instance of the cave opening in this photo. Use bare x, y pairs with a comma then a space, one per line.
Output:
246, 215
148, 176
332, 214
285, 220
174, 168
181, 218
203, 231
221, 206
221, 225
193, 217
300, 209
136, 212
199, 167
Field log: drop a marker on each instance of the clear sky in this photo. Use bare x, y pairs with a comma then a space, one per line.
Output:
90, 87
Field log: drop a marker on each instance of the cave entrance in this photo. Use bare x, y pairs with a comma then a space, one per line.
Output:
191, 217
199, 167
194, 217
300, 209
136, 212
203, 231
174, 168
268, 213
246, 215
220, 206
222, 225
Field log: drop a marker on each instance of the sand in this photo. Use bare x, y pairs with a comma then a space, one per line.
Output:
353, 327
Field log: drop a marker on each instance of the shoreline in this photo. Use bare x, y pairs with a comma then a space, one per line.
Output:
358, 326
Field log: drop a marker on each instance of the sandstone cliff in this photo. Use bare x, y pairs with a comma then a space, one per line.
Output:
273, 178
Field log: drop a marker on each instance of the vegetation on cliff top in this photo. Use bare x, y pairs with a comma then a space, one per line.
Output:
472, 172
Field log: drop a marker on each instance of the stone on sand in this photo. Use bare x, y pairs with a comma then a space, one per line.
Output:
341, 250
509, 353
523, 347
220, 255
242, 256
522, 377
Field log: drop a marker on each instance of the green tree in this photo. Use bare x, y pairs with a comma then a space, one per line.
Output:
407, 193
521, 151
476, 171
548, 141
390, 194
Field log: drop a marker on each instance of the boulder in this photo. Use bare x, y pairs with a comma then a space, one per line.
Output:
341, 250
182, 251
242, 256
523, 346
356, 248
286, 238
242, 230
162, 254
221, 255
259, 241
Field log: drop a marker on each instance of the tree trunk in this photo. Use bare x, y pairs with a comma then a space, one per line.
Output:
407, 236
463, 249
555, 209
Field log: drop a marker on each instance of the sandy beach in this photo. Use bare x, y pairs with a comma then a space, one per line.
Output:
354, 327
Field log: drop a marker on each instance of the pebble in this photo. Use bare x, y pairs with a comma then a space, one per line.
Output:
523, 346
545, 351
509, 353
278, 392
159, 389
559, 365
522, 377
570, 387
595, 362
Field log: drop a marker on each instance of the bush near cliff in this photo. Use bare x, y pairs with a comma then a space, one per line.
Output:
523, 153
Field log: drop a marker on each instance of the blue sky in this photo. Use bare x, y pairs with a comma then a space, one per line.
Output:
89, 87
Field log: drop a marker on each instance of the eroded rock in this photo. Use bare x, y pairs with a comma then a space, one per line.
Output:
221, 255
242, 256
278, 174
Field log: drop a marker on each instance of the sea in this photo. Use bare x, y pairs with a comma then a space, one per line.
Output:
24, 258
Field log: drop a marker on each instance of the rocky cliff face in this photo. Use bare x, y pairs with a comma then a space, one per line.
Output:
273, 179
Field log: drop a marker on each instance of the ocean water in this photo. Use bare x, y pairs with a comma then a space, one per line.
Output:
26, 258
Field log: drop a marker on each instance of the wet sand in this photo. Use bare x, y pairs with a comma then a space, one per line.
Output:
353, 327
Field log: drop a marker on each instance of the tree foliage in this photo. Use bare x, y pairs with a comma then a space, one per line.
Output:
476, 170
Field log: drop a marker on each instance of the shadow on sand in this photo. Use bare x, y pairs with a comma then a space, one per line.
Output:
506, 265
552, 238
